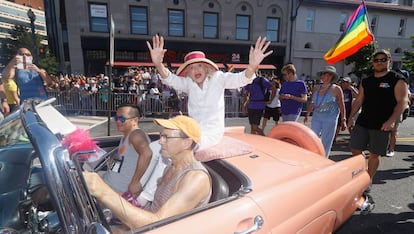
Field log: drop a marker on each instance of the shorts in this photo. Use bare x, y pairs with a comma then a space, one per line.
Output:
272, 112
375, 140
255, 116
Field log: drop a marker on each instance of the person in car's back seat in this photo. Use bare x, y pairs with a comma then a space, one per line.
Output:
185, 184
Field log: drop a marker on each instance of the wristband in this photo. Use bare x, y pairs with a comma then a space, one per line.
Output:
4, 100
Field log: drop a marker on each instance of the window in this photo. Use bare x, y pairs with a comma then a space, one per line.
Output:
176, 23
308, 45
342, 22
374, 24
310, 18
242, 27
210, 25
401, 29
98, 18
272, 29
139, 20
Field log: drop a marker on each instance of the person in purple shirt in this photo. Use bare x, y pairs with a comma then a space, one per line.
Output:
350, 92
256, 103
292, 94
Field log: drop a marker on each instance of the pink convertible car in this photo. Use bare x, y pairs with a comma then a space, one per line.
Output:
276, 184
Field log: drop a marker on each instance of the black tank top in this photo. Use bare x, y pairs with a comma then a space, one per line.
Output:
379, 100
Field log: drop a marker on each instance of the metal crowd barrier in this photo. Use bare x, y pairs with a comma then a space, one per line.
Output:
98, 104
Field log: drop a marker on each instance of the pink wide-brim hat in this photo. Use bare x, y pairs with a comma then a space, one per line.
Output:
195, 57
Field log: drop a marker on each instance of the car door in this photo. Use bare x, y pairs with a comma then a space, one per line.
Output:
235, 216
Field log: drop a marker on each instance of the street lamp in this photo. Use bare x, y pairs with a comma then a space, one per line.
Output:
32, 18
293, 14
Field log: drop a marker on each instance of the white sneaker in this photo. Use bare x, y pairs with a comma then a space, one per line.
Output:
390, 153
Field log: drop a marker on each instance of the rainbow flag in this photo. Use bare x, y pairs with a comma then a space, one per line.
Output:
355, 36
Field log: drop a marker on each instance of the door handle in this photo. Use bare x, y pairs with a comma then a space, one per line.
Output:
258, 223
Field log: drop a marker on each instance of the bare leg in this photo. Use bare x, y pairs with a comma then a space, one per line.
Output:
355, 152
393, 140
256, 130
264, 123
338, 128
373, 163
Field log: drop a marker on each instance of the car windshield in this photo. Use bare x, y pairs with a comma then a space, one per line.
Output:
12, 131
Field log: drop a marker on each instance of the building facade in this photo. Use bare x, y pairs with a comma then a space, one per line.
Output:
320, 23
301, 31
224, 30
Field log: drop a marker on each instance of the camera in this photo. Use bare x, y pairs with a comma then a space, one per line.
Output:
23, 62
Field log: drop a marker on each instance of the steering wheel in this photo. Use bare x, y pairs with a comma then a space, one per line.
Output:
89, 198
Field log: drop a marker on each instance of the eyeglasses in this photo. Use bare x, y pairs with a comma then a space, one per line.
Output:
27, 54
121, 118
166, 137
382, 60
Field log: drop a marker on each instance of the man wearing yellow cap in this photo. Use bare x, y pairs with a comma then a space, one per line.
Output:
185, 184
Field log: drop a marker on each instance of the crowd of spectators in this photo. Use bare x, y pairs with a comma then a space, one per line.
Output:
139, 86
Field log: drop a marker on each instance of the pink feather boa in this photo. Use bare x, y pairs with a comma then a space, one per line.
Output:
80, 140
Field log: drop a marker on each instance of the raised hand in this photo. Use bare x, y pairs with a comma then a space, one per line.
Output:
157, 50
258, 52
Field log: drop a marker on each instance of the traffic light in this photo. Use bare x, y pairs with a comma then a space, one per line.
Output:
42, 52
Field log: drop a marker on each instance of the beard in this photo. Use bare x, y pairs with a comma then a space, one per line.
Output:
380, 70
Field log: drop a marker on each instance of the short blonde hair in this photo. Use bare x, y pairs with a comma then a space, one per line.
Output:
289, 68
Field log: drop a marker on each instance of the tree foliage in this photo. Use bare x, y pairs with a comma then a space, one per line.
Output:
408, 58
362, 61
21, 37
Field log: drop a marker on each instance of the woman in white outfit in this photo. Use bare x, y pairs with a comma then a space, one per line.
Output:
204, 84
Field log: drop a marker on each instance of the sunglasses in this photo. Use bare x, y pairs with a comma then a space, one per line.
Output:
382, 60
27, 54
166, 137
121, 118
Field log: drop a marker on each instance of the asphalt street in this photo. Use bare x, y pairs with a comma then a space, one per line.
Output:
392, 189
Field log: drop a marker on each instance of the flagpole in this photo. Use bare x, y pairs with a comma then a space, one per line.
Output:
366, 13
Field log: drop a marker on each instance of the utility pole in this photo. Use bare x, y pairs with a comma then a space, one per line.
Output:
293, 14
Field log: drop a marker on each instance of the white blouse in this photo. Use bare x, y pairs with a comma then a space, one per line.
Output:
206, 105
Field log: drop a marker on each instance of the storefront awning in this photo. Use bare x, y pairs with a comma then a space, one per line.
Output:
244, 66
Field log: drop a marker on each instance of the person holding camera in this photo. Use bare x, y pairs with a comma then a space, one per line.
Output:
29, 78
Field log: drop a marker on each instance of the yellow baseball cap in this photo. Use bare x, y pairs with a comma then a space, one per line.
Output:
187, 125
